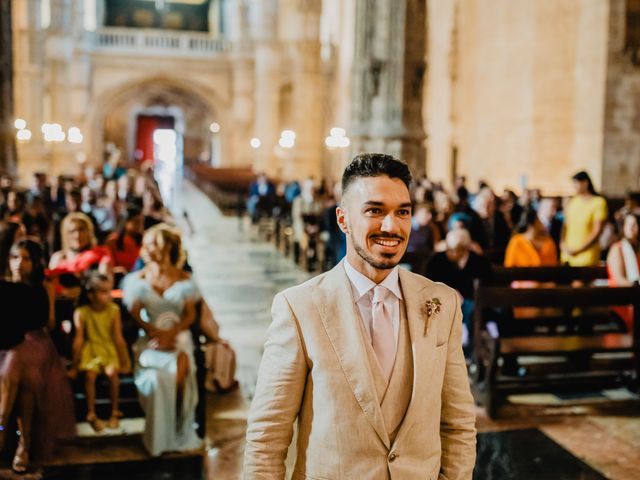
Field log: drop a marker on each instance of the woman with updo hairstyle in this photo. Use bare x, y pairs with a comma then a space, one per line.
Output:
161, 298
34, 385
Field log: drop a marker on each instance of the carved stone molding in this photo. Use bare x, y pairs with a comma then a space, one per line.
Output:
388, 73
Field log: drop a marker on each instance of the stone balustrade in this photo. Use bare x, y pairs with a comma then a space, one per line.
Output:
157, 42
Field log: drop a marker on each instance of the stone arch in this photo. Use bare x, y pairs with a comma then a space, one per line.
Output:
121, 92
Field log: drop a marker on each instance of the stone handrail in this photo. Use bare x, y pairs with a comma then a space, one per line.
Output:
161, 42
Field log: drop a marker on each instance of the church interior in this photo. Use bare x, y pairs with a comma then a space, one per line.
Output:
224, 126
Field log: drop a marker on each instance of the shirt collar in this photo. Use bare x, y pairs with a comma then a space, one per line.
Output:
364, 285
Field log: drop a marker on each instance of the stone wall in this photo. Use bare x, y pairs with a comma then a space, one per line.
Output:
527, 88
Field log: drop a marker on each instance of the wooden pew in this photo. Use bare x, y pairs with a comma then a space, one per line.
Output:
575, 333
228, 188
129, 403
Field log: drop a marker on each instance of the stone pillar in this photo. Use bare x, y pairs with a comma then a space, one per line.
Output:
621, 149
243, 83
7, 135
308, 90
264, 23
388, 76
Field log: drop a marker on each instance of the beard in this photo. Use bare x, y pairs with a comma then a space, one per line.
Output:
387, 264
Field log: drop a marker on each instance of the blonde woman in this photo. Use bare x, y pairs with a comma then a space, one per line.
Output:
79, 250
162, 298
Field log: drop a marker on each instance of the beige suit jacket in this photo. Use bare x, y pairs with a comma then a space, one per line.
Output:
314, 368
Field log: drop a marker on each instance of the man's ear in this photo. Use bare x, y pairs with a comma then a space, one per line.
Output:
341, 216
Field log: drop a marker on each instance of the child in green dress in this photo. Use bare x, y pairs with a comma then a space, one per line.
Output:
98, 346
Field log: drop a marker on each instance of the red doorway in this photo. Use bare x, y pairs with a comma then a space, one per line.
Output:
146, 125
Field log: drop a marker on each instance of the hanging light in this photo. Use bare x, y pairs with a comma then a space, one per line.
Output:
255, 143
74, 135
287, 139
337, 138
23, 135
214, 127
20, 123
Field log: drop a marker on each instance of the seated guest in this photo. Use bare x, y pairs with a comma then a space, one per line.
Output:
306, 216
261, 193
36, 219
10, 232
152, 209
16, 205
73, 204
458, 267
79, 250
32, 373
424, 236
336, 241
124, 244
532, 246
623, 261
552, 222
161, 298
494, 233
98, 346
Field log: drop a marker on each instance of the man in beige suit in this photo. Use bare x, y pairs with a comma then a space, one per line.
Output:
367, 357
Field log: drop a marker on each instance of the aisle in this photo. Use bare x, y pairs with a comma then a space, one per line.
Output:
238, 275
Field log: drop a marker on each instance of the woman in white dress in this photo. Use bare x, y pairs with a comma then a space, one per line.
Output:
162, 299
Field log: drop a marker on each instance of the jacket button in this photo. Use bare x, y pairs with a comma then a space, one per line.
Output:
392, 456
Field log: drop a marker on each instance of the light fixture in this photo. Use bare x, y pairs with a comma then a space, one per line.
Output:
287, 139
214, 127
53, 132
23, 135
74, 135
20, 123
338, 132
255, 143
337, 138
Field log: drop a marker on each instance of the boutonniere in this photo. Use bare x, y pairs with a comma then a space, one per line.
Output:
431, 309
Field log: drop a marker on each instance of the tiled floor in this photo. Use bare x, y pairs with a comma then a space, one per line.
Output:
239, 274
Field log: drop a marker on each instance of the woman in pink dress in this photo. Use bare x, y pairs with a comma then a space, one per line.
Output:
34, 382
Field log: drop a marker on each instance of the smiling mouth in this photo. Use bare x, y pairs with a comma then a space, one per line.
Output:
386, 242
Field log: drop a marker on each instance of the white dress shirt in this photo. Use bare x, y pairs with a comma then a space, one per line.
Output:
362, 288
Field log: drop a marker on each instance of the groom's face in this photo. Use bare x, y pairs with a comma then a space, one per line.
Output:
375, 214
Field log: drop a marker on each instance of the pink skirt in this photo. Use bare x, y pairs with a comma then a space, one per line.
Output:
35, 364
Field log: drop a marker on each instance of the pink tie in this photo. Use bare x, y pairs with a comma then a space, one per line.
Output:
384, 343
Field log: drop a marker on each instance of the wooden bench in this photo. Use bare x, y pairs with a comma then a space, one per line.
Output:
129, 402
581, 326
228, 188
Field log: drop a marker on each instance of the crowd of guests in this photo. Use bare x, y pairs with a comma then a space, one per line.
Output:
458, 234
108, 245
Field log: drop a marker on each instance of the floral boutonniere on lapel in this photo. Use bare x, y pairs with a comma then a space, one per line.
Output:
431, 309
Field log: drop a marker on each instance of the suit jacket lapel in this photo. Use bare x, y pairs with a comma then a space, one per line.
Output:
337, 311
415, 296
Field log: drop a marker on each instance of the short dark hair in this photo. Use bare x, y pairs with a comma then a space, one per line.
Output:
375, 165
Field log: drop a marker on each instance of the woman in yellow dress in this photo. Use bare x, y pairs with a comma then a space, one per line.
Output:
585, 217
98, 346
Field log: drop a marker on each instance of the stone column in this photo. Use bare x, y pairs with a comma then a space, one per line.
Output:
243, 83
308, 90
388, 76
7, 135
264, 25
